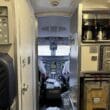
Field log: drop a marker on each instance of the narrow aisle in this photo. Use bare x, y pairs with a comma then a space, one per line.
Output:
51, 104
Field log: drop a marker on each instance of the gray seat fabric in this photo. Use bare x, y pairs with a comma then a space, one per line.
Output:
7, 81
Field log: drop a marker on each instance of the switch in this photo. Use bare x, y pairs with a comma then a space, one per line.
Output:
5, 36
94, 58
29, 60
6, 41
5, 24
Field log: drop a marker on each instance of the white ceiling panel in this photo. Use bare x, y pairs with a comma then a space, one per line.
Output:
44, 6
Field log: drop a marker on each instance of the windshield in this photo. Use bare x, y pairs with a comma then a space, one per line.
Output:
62, 50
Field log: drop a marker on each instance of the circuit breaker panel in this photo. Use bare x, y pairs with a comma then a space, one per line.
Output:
4, 28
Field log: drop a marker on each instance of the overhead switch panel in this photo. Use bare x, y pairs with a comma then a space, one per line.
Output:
4, 28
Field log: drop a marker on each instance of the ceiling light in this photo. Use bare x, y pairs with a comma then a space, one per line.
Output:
55, 2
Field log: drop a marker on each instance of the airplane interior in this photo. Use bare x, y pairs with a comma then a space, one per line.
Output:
54, 54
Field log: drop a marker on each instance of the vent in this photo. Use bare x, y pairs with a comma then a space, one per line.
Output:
54, 2
53, 29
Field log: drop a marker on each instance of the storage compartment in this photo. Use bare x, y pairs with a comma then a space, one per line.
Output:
89, 58
95, 26
96, 94
105, 58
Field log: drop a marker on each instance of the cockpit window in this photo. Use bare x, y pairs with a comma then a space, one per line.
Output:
62, 50
44, 50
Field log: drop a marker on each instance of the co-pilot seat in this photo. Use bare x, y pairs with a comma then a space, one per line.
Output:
7, 81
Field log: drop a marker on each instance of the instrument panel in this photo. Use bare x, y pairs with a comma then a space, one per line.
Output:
54, 64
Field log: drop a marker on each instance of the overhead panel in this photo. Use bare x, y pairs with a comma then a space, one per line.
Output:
54, 26
4, 31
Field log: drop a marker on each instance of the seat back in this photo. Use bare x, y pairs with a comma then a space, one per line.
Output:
7, 81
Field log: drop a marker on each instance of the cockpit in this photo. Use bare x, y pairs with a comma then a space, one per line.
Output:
55, 47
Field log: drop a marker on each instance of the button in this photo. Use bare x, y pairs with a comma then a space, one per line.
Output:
5, 36
5, 24
94, 58
6, 41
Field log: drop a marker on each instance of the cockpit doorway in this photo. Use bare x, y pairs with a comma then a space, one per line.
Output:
57, 64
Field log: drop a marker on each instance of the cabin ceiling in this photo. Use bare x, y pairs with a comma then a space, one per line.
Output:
96, 4
44, 7
64, 7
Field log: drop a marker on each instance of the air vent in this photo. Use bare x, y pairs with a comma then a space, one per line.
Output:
54, 2
53, 29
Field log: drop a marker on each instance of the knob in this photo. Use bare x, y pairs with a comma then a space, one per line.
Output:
25, 88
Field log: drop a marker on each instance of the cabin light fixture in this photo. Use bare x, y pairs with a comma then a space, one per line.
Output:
55, 2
